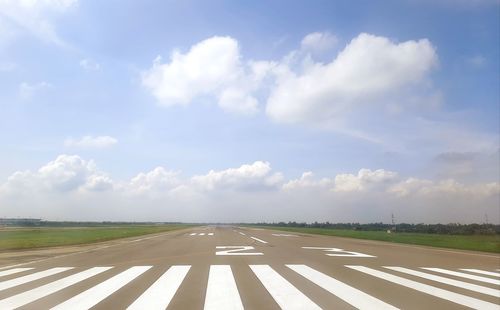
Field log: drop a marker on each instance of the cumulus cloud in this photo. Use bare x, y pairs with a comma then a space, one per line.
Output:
368, 68
35, 17
90, 142
89, 65
73, 188
246, 177
27, 90
212, 67
318, 42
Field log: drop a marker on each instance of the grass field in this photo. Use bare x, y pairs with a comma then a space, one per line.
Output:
28, 238
484, 243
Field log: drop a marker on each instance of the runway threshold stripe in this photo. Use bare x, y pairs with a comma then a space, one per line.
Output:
201, 234
428, 289
192, 234
487, 273
349, 294
461, 284
210, 234
464, 275
257, 239
283, 292
222, 292
31, 277
47, 289
13, 271
94, 295
160, 293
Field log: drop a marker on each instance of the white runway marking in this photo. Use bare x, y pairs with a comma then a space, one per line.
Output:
12, 271
201, 234
257, 239
465, 285
222, 292
487, 273
338, 252
283, 292
160, 293
284, 235
47, 289
464, 275
210, 234
236, 250
428, 289
241, 233
31, 277
192, 234
94, 295
352, 296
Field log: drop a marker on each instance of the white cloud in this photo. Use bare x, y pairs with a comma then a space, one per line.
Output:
318, 42
89, 65
369, 68
66, 173
90, 142
246, 177
36, 16
212, 67
365, 179
477, 61
27, 90
70, 187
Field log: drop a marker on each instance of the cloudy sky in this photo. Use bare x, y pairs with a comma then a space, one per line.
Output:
341, 111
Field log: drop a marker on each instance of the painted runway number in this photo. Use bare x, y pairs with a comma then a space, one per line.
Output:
236, 250
338, 252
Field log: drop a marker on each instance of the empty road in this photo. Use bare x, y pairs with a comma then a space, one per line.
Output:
222, 267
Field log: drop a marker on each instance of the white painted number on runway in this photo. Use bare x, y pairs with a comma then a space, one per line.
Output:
236, 250
338, 252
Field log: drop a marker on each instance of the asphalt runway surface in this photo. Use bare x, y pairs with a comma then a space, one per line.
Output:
222, 267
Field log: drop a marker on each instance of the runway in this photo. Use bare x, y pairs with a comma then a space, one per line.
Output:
227, 267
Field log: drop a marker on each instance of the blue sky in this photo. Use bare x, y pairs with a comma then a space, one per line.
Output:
393, 101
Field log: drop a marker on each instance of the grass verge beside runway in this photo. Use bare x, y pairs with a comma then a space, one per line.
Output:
29, 238
484, 243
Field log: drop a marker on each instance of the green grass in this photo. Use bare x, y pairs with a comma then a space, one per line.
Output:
28, 238
484, 243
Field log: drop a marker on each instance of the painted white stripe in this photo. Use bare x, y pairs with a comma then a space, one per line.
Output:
487, 273
159, 295
242, 233
349, 294
257, 239
47, 289
192, 234
222, 292
428, 289
12, 271
94, 295
284, 293
210, 234
202, 234
464, 275
461, 284
31, 277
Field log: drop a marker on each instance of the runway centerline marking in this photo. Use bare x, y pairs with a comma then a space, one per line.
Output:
161, 292
236, 250
260, 240
464, 275
242, 233
349, 294
31, 277
283, 292
24, 298
465, 285
428, 289
338, 252
96, 294
222, 292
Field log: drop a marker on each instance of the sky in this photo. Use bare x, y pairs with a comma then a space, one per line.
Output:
250, 111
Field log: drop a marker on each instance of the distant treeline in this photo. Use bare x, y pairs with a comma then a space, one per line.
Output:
449, 229
41, 223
